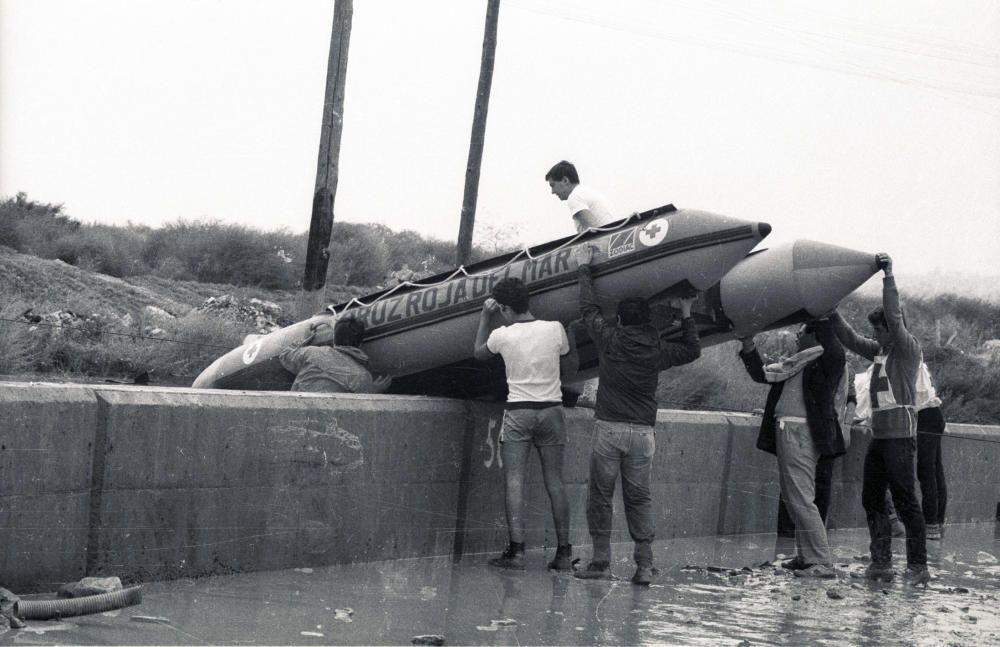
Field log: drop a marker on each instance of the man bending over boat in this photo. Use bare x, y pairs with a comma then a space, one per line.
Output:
587, 207
535, 353
331, 361
631, 356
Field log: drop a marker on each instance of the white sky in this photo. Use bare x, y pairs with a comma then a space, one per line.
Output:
873, 125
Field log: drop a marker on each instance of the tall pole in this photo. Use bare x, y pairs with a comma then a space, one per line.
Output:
321, 224
478, 134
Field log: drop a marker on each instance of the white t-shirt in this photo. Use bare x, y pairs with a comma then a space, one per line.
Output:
581, 198
531, 351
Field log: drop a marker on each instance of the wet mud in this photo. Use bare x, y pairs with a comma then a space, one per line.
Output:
710, 591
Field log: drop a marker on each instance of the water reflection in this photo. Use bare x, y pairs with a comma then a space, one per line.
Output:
711, 591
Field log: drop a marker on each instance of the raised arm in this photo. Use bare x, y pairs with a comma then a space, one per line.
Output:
752, 360
688, 348
863, 346
490, 308
593, 319
890, 306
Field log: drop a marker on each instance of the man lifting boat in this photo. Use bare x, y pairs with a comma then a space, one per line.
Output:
631, 356
535, 354
330, 360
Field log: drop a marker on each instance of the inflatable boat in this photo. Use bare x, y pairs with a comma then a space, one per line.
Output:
422, 333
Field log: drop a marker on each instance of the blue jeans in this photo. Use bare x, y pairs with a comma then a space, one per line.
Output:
621, 448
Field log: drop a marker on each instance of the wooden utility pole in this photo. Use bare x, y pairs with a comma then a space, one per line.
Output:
478, 134
321, 225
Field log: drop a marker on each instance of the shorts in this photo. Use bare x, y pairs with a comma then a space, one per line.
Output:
542, 427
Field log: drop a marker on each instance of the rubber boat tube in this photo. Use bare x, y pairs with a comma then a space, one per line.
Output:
417, 327
85, 606
771, 288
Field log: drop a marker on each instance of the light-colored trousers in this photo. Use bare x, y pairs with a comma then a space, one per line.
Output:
797, 458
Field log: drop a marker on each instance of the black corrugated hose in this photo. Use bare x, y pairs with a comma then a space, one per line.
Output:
66, 608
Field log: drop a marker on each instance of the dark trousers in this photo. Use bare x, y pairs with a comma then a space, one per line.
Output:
824, 479
930, 472
891, 463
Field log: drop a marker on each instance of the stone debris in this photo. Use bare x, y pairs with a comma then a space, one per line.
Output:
90, 586
264, 316
834, 594
8, 619
59, 321
344, 615
983, 557
427, 639
497, 624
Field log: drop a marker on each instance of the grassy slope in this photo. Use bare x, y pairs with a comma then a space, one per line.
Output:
48, 285
950, 328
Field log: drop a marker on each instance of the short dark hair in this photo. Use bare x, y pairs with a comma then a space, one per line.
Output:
877, 317
512, 293
633, 311
349, 331
563, 170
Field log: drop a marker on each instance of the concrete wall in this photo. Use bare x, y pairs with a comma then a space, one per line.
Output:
149, 483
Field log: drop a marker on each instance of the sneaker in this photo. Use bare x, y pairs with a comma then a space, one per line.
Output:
794, 564
917, 574
563, 561
595, 571
880, 571
644, 575
934, 531
513, 557
821, 571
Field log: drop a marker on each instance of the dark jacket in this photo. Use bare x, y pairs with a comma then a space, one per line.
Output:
328, 369
631, 358
820, 380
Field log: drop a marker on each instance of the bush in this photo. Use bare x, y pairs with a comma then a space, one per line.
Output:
18, 345
211, 252
358, 255
115, 251
33, 227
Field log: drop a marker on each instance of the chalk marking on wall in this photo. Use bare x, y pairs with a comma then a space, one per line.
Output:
495, 452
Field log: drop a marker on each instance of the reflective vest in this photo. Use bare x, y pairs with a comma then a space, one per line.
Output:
889, 418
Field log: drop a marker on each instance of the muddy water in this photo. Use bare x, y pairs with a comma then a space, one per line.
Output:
711, 591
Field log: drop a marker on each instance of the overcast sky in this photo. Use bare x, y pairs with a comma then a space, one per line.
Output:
873, 125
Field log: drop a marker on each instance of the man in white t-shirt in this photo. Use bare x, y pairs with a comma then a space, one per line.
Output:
535, 353
587, 207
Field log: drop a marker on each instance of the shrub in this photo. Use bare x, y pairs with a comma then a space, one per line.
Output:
115, 251
33, 227
18, 345
358, 255
214, 253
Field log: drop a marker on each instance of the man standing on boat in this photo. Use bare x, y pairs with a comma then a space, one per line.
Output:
631, 356
587, 207
535, 353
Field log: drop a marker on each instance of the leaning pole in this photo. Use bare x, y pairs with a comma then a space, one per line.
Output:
478, 135
321, 223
